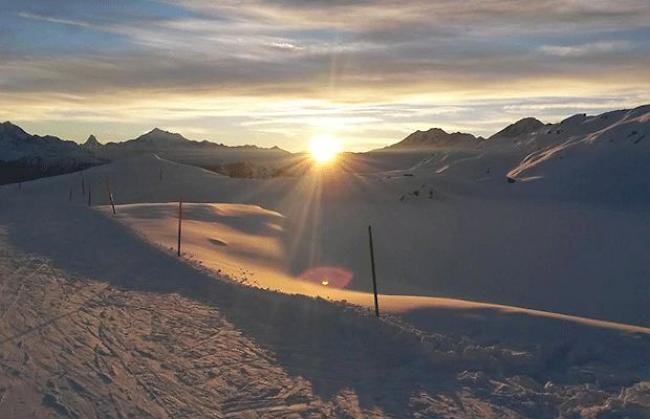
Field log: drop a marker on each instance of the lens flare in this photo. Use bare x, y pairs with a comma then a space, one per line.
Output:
328, 276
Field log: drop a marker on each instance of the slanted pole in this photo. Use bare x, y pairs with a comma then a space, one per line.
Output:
374, 275
110, 195
180, 222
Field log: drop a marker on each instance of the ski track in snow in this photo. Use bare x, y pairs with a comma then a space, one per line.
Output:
83, 348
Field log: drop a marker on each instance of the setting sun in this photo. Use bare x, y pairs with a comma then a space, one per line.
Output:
324, 148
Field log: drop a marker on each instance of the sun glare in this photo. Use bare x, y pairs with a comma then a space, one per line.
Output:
324, 148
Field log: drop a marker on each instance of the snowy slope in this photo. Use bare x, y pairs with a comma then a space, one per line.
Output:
602, 159
97, 322
605, 155
453, 239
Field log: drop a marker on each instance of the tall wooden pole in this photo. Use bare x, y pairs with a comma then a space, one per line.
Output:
180, 221
90, 194
374, 275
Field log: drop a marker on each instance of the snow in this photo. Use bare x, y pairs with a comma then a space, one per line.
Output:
497, 300
462, 243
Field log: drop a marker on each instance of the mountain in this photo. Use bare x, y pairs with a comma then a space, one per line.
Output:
16, 144
523, 126
92, 142
593, 156
434, 138
157, 139
24, 156
206, 154
599, 158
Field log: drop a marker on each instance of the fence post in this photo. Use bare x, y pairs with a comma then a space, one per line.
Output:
110, 195
180, 221
374, 275
90, 192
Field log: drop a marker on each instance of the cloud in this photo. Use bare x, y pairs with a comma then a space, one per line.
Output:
49, 19
593, 48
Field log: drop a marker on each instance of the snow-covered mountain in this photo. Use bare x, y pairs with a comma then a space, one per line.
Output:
16, 144
603, 157
579, 156
206, 154
592, 140
158, 140
24, 156
521, 127
434, 138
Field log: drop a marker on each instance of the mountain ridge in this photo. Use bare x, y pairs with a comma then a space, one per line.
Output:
433, 138
158, 137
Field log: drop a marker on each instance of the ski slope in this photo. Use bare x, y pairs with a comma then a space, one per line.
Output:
458, 241
494, 305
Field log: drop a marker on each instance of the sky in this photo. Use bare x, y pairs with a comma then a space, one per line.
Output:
281, 72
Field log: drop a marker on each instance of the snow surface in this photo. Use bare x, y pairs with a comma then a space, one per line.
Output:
99, 318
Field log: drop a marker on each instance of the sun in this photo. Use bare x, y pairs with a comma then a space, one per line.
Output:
324, 148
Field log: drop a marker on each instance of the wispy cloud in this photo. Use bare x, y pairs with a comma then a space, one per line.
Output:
593, 48
51, 19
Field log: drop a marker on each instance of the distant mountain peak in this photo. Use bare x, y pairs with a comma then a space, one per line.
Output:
523, 126
157, 130
161, 137
434, 137
8, 129
92, 142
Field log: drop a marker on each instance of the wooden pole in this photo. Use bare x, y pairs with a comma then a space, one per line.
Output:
374, 275
90, 192
110, 195
180, 221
